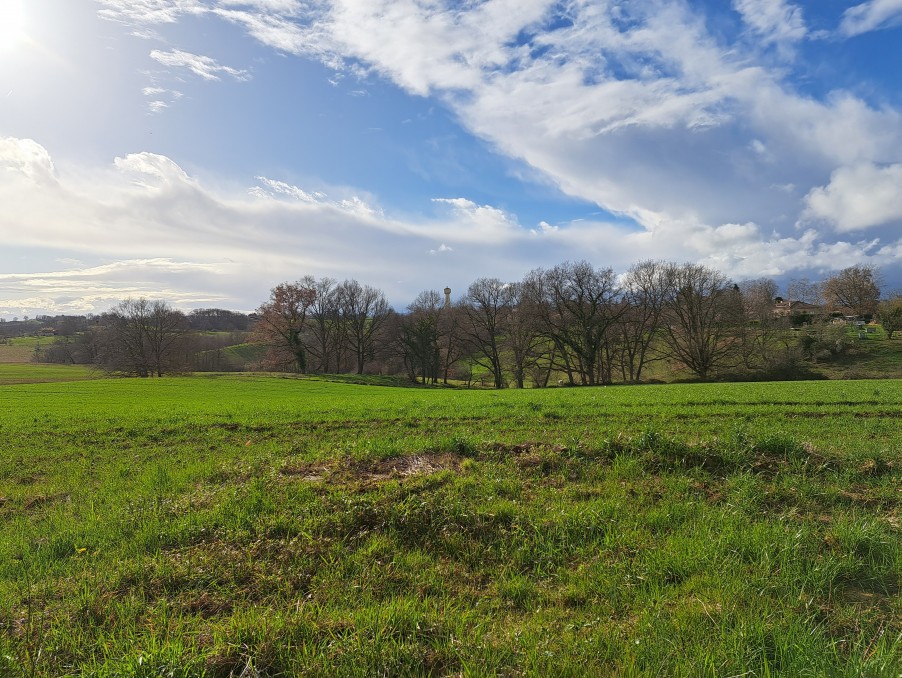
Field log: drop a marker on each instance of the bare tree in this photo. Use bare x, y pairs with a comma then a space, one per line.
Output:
522, 336
325, 326
701, 317
578, 305
648, 286
363, 311
890, 314
281, 323
761, 332
802, 289
417, 338
856, 289
486, 307
143, 338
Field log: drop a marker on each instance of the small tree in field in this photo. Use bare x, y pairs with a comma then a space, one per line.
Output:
281, 324
890, 314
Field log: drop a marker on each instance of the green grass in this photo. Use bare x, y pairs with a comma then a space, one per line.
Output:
201, 526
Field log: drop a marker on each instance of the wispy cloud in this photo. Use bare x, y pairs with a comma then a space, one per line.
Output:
142, 12
775, 21
596, 96
871, 16
203, 66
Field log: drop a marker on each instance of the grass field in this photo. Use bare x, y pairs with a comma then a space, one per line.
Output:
279, 526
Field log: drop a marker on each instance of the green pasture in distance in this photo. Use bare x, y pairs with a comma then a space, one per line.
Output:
209, 526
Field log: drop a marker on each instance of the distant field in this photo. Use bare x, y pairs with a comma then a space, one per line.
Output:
15, 353
291, 526
30, 373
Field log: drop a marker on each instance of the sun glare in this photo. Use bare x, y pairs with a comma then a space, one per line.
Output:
12, 23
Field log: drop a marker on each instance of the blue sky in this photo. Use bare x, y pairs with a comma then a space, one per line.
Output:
202, 151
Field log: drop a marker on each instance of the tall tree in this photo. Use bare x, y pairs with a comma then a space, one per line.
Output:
578, 305
522, 336
417, 338
856, 289
701, 317
486, 307
281, 323
325, 327
363, 311
648, 286
760, 331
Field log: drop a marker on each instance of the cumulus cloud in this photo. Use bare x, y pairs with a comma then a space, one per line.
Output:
858, 197
870, 16
203, 66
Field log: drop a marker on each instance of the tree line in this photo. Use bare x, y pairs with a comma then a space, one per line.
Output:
573, 323
584, 323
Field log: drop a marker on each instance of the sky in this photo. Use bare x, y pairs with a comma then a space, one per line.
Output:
204, 151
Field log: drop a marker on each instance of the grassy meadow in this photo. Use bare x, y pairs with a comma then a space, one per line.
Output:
262, 526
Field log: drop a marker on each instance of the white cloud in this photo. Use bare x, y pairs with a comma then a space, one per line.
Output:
638, 107
272, 188
26, 158
871, 16
858, 197
145, 227
203, 66
481, 223
635, 106
95, 289
149, 11
776, 21
150, 170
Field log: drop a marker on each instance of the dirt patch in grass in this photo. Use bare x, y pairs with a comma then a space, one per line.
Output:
374, 471
403, 467
524, 448
309, 472
45, 499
